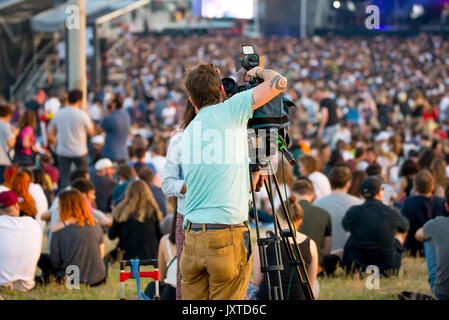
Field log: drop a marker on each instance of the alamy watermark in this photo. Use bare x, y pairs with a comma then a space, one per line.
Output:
73, 277
373, 280
73, 21
372, 22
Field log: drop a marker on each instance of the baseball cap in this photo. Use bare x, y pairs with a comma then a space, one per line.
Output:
103, 164
8, 199
370, 187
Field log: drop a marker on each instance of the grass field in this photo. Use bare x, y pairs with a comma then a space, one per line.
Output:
412, 277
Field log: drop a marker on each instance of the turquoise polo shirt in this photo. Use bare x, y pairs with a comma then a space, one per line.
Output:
215, 163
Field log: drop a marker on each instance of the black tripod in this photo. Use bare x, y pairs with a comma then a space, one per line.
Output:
294, 254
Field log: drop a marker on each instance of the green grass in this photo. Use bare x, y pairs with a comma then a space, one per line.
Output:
412, 277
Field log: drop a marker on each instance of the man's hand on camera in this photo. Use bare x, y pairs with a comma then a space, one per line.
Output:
256, 72
273, 84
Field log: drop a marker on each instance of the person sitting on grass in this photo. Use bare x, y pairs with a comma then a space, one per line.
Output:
87, 188
376, 232
136, 224
309, 253
20, 245
420, 208
434, 235
77, 240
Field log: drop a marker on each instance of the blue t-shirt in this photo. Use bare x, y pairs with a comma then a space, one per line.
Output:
116, 125
215, 163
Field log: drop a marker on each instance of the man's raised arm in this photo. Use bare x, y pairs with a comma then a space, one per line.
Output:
273, 85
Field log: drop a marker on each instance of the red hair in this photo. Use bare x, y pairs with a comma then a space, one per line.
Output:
20, 184
72, 204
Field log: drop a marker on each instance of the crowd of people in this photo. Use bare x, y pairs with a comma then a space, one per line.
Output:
369, 132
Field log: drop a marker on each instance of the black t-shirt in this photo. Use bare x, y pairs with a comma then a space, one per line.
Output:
331, 106
138, 240
373, 227
316, 223
418, 210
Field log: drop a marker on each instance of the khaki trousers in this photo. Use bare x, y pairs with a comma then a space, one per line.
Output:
216, 264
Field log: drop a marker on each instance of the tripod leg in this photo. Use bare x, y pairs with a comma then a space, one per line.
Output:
262, 247
293, 250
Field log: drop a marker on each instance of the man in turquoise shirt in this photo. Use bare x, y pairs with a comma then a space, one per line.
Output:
216, 260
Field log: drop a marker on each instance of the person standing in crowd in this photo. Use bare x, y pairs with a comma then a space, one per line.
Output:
116, 125
77, 240
70, 128
104, 183
316, 222
420, 208
376, 231
7, 138
20, 245
309, 167
436, 248
136, 224
218, 194
173, 185
25, 148
330, 116
338, 203
34, 106
52, 105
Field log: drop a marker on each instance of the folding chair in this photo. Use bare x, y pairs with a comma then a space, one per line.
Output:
135, 273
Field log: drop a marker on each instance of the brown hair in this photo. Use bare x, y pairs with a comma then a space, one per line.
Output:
72, 204
438, 169
303, 186
289, 178
295, 209
20, 184
126, 171
339, 176
357, 178
5, 110
424, 182
189, 115
310, 163
203, 85
139, 203
27, 119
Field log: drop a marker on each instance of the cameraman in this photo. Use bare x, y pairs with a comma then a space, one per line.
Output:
216, 260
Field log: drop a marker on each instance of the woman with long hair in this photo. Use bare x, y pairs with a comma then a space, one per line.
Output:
20, 184
77, 240
25, 147
438, 169
408, 171
173, 186
136, 224
357, 178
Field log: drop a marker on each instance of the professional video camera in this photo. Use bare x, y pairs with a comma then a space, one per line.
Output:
273, 117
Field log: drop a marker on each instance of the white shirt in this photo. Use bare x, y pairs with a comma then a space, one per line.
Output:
159, 163
321, 184
41, 202
20, 249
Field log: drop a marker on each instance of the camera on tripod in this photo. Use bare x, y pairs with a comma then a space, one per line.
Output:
268, 125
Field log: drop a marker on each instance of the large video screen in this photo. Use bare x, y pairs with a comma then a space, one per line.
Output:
238, 9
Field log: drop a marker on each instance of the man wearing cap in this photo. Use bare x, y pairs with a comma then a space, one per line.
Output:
104, 183
20, 245
374, 231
